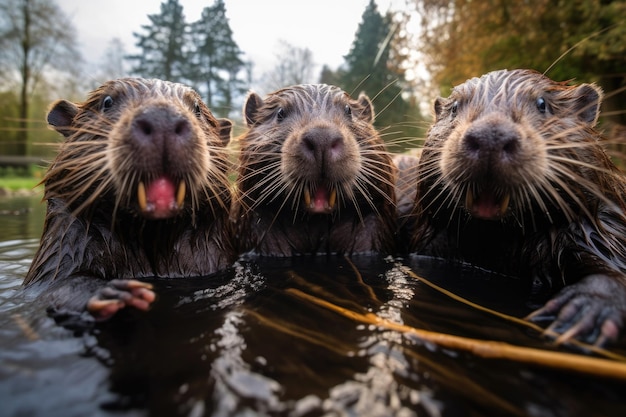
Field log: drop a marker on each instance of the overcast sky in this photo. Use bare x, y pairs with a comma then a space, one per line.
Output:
326, 27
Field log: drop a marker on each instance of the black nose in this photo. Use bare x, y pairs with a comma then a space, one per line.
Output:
322, 144
155, 127
492, 139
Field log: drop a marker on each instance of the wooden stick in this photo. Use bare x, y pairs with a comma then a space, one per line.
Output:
593, 348
487, 349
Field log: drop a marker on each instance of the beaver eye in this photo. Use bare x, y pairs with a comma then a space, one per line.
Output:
541, 105
107, 103
280, 114
196, 109
348, 110
454, 108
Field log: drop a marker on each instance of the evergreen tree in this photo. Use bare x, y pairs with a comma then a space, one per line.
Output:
374, 67
163, 44
216, 63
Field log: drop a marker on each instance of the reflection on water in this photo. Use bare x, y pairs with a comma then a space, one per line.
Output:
249, 342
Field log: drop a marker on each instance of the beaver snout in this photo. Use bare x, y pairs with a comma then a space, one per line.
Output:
492, 141
322, 145
161, 139
159, 127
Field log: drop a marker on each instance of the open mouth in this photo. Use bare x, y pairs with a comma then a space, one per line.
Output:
160, 199
321, 200
487, 204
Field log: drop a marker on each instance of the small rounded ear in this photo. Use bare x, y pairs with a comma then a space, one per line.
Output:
61, 115
253, 103
587, 100
367, 108
224, 127
438, 107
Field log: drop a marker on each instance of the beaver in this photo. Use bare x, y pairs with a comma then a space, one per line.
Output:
139, 188
314, 175
513, 177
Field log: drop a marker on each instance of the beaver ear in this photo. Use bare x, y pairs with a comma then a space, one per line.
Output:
367, 108
438, 107
61, 116
587, 100
224, 127
253, 103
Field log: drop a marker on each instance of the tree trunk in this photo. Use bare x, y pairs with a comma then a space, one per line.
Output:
22, 133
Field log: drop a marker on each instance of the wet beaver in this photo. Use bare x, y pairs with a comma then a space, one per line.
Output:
513, 177
314, 175
139, 188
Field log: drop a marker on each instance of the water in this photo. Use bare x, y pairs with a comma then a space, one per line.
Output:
255, 341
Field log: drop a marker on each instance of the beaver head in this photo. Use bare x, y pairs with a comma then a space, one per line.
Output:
145, 146
313, 147
314, 174
514, 145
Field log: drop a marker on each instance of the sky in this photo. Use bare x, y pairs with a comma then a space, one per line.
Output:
326, 27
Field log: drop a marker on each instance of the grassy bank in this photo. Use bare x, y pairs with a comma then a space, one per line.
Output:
20, 183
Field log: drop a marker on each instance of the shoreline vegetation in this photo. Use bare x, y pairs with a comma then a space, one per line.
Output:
20, 186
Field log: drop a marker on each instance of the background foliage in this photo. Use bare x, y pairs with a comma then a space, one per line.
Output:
449, 40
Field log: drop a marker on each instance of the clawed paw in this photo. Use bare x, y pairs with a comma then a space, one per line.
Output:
118, 294
585, 311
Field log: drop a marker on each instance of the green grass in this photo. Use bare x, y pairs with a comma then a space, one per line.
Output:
19, 183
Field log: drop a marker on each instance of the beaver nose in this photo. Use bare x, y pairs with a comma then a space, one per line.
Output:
492, 139
322, 144
159, 126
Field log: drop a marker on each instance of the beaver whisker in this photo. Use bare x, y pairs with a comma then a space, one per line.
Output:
579, 163
275, 188
368, 177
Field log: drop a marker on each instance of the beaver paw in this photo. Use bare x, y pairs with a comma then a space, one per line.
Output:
120, 293
592, 310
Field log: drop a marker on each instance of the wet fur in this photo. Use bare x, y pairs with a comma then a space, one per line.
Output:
565, 225
94, 231
274, 172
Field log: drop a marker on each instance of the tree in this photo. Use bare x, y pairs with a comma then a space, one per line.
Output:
35, 37
294, 66
163, 44
216, 59
112, 65
376, 67
465, 38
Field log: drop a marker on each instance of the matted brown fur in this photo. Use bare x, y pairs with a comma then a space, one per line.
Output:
127, 135
513, 177
314, 175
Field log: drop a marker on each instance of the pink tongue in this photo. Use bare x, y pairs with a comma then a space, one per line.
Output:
160, 198
320, 200
486, 206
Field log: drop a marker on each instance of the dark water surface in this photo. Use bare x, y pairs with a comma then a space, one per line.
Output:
252, 341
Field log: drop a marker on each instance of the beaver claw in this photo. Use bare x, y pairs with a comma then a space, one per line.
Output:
120, 293
592, 310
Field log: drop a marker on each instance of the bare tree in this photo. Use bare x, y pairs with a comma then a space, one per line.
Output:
35, 37
294, 66
112, 64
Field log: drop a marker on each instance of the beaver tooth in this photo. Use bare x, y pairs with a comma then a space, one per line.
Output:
469, 199
505, 203
141, 196
332, 199
180, 194
307, 197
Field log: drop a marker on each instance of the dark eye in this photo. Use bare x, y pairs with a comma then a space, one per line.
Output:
107, 103
280, 114
541, 105
454, 108
196, 109
348, 110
